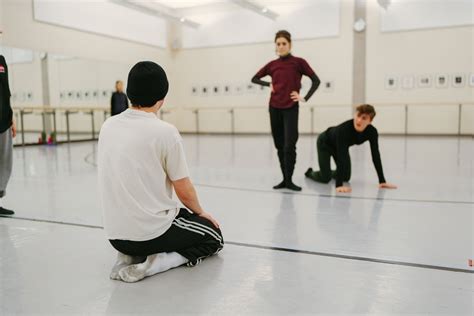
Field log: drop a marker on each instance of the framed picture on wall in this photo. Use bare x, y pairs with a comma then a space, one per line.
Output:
471, 80
441, 81
250, 88
205, 91
239, 89
408, 82
328, 86
227, 89
424, 81
216, 90
391, 83
458, 80
87, 95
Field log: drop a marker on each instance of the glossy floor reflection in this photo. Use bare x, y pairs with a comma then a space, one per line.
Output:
369, 252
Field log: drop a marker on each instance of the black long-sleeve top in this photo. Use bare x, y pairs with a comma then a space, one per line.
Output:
6, 113
118, 103
341, 137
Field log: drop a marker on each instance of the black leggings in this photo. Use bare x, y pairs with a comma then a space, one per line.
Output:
190, 235
284, 124
325, 152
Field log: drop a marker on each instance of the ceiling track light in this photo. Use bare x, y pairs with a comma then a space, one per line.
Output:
264, 11
156, 13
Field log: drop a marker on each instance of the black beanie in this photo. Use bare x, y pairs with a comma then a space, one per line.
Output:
147, 84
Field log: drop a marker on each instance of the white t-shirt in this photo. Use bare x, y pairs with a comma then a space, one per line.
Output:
139, 156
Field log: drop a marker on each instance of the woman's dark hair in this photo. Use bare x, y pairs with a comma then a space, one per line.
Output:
284, 34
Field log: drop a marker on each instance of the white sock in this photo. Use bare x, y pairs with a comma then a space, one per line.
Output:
165, 261
154, 264
123, 260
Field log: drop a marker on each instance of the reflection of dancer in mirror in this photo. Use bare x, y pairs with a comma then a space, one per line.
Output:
118, 101
7, 133
286, 73
335, 142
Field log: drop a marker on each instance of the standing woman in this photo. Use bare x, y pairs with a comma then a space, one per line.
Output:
286, 73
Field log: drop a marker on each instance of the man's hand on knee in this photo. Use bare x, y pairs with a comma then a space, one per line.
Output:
209, 218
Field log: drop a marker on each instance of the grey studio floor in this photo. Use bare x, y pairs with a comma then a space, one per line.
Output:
372, 251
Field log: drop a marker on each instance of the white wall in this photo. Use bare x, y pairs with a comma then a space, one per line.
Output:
100, 61
411, 15
428, 110
20, 30
103, 17
26, 87
417, 53
234, 66
89, 76
410, 55
1, 19
230, 24
25, 82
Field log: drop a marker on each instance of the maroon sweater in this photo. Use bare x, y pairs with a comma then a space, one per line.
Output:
286, 73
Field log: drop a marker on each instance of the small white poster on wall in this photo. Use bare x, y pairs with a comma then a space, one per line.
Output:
471, 80
227, 89
408, 82
87, 95
458, 80
205, 91
328, 86
424, 81
251, 88
216, 90
441, 81
239, 89
391, 83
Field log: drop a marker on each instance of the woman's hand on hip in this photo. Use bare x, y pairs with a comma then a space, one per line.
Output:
296, 97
